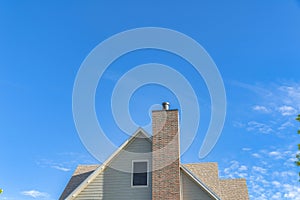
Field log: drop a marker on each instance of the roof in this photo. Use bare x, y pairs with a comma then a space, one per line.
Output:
227, 189
206, 175
85, 175
234, 189
81, 173
84, 172
196, 179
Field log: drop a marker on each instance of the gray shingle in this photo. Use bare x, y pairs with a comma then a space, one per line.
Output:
80, 174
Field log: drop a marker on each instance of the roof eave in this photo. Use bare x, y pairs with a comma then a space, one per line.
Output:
199, 182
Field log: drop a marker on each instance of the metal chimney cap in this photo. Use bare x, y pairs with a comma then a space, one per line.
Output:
166, 105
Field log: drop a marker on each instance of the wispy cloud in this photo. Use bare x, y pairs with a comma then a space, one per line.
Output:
285, 98
235, 170
243, 168
273, 96
286, 125
292, 191
287, 110
246, 149
270, 172
259, 169
276, 183
259, 127
65, 161
256, 155
61, 168
35, 194
254, 88
238, 124
276, 155
269, 175
261, 109
275, 108
292, 94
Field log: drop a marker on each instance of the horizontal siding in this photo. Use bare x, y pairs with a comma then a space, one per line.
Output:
191, 190
114, 184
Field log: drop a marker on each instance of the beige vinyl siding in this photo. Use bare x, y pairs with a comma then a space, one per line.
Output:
114, 184
190, 190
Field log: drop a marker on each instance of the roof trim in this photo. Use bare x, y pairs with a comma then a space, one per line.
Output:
199, 182
98, 170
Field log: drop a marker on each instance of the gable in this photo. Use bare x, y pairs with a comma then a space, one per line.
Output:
108, 183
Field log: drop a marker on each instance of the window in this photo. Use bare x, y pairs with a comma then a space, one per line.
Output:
139, 173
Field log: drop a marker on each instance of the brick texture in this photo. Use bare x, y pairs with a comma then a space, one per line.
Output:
165, 155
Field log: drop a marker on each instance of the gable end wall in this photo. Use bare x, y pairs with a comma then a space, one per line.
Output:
114, 184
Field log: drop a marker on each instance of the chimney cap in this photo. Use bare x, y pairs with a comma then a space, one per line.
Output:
166, 105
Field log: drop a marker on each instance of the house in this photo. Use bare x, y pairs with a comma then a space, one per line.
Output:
152, 170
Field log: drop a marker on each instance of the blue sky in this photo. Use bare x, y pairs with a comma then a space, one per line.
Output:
255, 45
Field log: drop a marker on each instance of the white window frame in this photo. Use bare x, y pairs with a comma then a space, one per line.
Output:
132, 172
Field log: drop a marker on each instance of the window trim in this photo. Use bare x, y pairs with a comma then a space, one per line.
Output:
132, 165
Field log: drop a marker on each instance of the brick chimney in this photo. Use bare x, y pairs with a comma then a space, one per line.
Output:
165, 154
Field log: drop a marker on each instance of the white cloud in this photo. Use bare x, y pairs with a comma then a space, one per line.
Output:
246, 149
277, 195
261, 109
287, 110
271, 177
61, 168
287, 156
291, 191
259, 127
259, 169
268, 155
292, 94
276, 155
234, 165
276, 183
286, 125
256, 155
65, 161
290, 162
35, 194
243, 168
280, 101
235, 170
271, 172
238, 124
254, 88
285, 174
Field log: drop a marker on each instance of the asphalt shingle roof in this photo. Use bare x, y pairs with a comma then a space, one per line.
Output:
208, 173
81, 173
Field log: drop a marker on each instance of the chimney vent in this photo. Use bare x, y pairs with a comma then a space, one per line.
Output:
166, 105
